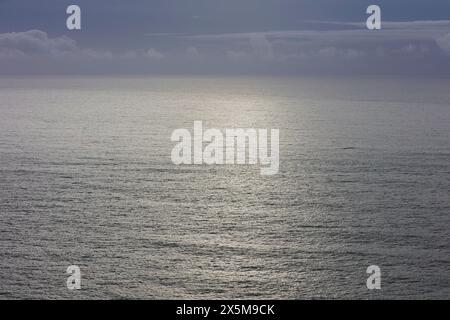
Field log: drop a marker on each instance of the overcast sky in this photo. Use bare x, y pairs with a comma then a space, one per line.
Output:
225, 36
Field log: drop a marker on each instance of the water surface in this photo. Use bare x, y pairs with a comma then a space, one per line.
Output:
86, 179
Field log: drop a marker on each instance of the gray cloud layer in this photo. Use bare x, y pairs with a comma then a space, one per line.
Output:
400, 47
225, 36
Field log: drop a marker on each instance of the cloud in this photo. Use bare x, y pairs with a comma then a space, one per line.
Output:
415, 38
35, 43
333, 52
400, 47
193, 53
153, 54
444, 43
34, 50
262, 47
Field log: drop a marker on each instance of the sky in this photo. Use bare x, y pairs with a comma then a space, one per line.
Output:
274, 37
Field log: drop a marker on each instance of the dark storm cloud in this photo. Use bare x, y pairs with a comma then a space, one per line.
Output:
268, 36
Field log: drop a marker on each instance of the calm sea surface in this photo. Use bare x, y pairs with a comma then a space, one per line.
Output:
86, 179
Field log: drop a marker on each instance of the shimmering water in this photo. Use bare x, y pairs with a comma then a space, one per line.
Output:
86, 179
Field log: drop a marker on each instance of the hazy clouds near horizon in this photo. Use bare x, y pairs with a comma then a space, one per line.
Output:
225, 36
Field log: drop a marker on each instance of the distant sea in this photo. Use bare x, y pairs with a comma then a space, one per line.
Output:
86, 179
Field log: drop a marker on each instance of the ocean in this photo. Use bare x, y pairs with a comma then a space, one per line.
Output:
86, 179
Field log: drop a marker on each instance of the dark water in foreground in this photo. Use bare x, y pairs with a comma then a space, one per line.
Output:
86, 179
